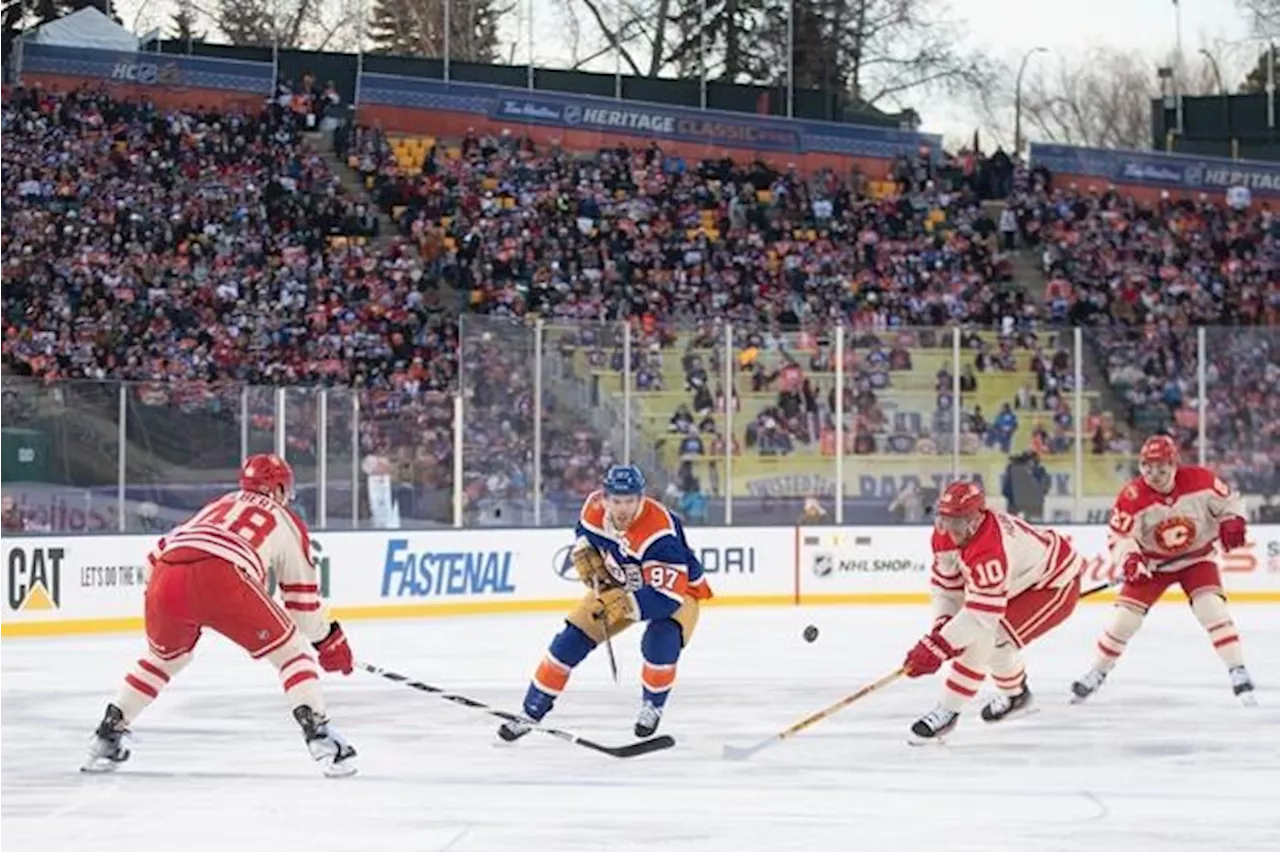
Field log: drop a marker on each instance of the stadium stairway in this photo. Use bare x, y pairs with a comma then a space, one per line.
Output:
351, 182
1028, 274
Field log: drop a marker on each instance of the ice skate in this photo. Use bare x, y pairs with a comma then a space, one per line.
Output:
648, 720
1004, 706
1087, 685
934, 726
1242, 685
513, 729
107, 751
329, 748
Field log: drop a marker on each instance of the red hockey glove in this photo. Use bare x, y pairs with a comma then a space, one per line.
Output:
335, 653
928, 655
1231, 532
1135, 570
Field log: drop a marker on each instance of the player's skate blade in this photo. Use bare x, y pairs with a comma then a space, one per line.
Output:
1242, 686
648, 720
107, 751
933, 727
1087, 685
1005, 706
329, 748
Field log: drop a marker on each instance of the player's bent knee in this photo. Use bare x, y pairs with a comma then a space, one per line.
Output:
1127, 621
289, 651
1210, 608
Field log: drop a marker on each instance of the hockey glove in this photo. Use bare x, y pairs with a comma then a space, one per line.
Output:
589, 563
928, 655
1231, 532
1135, 569
335, 653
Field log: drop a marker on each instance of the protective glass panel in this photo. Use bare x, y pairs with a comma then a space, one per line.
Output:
1242, 427
584, 417
1144, 379
1018, 419
496, 376
183, 448
406, 459
61, 455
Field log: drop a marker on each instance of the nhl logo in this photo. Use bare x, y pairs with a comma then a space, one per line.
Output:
823, 564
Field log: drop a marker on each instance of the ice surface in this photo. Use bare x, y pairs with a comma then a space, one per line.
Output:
1162, 759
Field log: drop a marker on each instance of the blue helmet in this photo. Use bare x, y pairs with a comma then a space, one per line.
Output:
624, 479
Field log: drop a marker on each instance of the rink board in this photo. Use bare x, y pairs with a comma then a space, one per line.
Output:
58, 585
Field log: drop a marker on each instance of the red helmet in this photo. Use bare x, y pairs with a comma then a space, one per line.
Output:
263, 473
961, 499
1159, 448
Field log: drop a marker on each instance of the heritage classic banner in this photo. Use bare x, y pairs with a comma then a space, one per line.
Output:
149, 69
636, 118
1159, 171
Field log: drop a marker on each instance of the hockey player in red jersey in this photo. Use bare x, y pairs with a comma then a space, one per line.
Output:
998, 583
1164, 528
212, 571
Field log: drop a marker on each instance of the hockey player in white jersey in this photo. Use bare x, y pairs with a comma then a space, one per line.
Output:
1165, 528
212, 571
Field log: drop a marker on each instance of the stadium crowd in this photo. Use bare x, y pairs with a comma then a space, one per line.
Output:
193, 253
1139, 277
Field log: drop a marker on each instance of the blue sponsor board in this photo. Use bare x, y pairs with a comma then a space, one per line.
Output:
424, 573
1161, 171
638, 118
150, 69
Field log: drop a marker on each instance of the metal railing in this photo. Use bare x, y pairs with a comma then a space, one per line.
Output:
542, 407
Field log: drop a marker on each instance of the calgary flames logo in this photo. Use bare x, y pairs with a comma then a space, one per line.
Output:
1174, 535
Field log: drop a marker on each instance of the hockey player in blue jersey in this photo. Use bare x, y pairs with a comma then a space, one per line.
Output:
635, 551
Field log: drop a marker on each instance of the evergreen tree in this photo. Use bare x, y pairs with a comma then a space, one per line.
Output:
183, 25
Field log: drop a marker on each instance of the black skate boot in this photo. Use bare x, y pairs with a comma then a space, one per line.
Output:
648, 720
1087, 685
329, 748
536, 705
1003, 706
107, 750
934, 726
513, 729
1242, 685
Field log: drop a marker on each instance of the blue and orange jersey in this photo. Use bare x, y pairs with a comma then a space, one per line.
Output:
654, 547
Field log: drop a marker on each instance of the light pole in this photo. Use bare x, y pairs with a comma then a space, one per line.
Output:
1217, 72
1017, 98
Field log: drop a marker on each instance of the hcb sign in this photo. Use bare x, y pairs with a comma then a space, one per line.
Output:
147, 73
319, 560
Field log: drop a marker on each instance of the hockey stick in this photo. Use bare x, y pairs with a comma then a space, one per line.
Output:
634, 749
736, 753
608, 640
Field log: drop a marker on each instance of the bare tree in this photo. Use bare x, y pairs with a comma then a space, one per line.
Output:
416, 28
1101, 98
1263, 16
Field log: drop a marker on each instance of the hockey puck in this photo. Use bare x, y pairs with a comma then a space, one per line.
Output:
810, 633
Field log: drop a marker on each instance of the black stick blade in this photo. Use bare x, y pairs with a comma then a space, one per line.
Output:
635, 749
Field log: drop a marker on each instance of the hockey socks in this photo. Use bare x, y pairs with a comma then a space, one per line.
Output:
569, 648
661, 650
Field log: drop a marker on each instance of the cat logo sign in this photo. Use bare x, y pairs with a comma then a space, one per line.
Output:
35, 578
